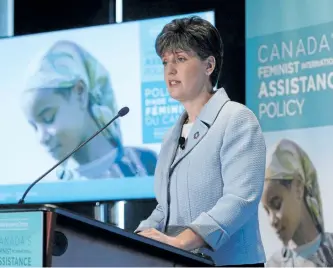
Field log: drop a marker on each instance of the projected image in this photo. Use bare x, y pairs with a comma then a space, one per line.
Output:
59, 88
67, 98
292, 201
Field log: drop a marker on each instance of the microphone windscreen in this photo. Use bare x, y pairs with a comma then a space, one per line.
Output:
123, 111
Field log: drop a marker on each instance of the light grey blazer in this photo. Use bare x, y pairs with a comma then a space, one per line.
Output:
215, 184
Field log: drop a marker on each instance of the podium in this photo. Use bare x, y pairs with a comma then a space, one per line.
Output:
48, 236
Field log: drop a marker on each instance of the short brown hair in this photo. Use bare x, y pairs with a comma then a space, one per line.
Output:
196, 34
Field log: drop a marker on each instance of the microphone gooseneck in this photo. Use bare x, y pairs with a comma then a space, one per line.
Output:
122, 112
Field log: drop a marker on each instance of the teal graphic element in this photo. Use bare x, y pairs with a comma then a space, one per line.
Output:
160, 112
21, 239
265, 17
290, 78
289, 66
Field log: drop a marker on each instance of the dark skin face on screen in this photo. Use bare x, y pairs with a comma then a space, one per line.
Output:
288, 213
61, 121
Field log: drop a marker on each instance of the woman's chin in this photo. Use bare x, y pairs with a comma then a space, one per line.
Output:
285, 239
176, 95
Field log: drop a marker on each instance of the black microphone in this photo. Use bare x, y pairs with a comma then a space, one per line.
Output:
122, 112
181, 143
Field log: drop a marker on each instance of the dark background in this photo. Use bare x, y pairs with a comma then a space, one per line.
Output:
35, 16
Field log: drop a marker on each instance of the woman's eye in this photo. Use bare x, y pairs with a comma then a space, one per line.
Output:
49, 116
181, 59
49, 120
276, 203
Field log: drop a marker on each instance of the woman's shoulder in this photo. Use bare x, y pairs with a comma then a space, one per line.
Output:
141, 152
236, 110
328, 239
236, 117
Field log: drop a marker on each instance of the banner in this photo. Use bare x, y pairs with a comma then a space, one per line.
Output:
21, 239
289, 86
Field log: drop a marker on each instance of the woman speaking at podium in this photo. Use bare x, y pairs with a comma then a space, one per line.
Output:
210, 173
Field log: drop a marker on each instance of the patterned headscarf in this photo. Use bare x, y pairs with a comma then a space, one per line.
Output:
63, 65
287, 161
66, 63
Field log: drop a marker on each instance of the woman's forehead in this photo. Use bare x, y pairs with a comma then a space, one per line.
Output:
176, 52
39, 93
35, 99
271, 187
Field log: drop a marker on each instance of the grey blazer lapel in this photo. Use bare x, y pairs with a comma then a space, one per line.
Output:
201, 126
171, 145
198, 131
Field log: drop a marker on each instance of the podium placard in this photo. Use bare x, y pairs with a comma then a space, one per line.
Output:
21, 239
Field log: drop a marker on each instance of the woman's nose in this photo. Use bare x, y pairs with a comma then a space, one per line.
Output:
44, 136
171, 68
274, 219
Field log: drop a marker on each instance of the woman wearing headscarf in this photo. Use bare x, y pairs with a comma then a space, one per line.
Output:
292, 201
68, 97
